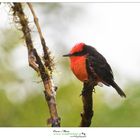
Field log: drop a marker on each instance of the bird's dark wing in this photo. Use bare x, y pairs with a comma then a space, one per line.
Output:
96, 63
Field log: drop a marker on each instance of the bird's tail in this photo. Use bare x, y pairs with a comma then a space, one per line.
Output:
118, 89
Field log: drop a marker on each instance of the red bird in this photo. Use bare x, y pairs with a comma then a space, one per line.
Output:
89, 65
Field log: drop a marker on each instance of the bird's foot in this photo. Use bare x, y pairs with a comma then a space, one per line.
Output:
83, 93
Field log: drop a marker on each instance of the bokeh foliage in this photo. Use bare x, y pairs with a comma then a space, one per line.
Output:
34, 111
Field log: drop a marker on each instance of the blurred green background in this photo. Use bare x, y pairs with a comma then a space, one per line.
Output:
22, 101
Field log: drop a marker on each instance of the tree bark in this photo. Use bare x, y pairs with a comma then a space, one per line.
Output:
87, 100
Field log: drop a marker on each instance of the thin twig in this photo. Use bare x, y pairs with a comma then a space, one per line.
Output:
47, 58
33, 56
88, 112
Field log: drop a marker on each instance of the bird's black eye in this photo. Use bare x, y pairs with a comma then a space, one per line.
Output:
81, 53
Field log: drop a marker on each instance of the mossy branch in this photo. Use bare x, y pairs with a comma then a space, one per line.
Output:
36, 63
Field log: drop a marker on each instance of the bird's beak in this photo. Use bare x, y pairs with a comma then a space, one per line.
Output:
67, 55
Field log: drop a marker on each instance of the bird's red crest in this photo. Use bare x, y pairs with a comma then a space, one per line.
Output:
77, 48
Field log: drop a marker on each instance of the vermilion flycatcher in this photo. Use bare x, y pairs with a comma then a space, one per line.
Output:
89, 65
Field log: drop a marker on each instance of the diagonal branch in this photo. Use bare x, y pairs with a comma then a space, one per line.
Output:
36, 63
49, 92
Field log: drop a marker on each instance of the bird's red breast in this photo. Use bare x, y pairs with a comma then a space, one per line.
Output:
78, 66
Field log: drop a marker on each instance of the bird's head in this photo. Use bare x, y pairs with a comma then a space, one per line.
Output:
77, 50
